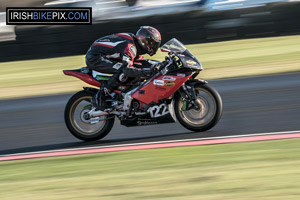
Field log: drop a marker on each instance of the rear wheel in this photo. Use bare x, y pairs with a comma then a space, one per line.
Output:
208, 114
82, 128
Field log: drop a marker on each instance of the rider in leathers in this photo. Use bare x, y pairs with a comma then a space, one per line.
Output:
116, 54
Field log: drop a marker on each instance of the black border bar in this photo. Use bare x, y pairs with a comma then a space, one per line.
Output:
42, 10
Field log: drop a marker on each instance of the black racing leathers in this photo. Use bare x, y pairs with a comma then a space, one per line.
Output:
116, 54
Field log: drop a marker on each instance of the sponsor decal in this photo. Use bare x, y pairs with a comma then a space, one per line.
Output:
117, 65
158, 111
168, 78
159, 82
191, 62
181, 75
169, 83
85, 70
142, 121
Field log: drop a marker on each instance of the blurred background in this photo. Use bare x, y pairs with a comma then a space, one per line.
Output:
191, 21
232, 39
250, 52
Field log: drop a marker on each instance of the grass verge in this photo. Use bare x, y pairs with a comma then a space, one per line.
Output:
248, 171
220, 60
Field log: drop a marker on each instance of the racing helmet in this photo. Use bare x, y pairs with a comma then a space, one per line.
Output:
149, 39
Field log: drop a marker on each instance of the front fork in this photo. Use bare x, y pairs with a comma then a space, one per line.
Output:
187, 92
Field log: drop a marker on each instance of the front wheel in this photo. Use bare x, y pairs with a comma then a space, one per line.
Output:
82, 128
206, 116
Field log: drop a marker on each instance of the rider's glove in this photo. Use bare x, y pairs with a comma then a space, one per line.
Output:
152, 70
156, 67
147, 72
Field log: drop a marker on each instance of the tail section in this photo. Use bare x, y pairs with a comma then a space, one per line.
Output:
82, 74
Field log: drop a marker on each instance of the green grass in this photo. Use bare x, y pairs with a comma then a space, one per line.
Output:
247, 171
220, 60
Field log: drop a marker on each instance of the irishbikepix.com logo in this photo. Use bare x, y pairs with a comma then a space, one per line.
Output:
48, 16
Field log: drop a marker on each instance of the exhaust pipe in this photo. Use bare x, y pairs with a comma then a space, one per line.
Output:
98, 113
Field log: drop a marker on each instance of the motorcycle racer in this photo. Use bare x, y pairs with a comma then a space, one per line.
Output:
116, 54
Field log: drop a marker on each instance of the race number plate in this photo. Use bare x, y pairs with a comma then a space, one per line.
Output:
158, 110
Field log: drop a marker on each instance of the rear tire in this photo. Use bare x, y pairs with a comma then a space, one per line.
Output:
207, 116
81, 128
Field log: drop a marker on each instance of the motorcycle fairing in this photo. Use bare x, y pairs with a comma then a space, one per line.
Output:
147, 120
190, 61
187, 58
160, 87
100, 76
78, 73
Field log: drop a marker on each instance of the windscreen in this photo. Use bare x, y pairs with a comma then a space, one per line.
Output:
173, 45
187, 58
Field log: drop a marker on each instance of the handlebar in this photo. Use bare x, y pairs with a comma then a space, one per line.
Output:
168, 61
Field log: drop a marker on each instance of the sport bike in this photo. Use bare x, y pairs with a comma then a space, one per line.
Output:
171, 94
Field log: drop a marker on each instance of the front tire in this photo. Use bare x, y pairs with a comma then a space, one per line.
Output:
204, 118
81, 128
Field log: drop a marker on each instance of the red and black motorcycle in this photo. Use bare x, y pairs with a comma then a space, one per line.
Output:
171, 94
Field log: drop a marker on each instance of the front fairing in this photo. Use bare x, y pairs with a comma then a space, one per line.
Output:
187, 59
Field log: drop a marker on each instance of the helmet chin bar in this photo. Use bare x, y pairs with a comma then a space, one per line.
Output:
150, 51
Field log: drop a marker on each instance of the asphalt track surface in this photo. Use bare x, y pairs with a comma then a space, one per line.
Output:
251, 105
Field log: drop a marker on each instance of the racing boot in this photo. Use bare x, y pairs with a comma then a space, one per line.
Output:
104, 97
99, 101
